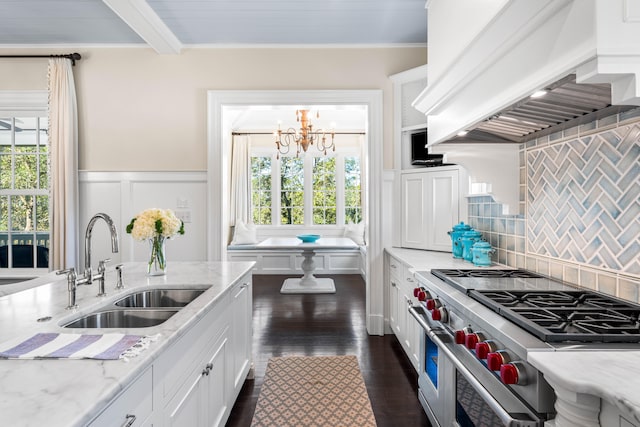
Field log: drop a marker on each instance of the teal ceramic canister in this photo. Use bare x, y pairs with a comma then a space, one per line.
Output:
468, 239
481, 252
456, 234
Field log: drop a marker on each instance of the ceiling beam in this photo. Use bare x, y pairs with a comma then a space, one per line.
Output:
138, 15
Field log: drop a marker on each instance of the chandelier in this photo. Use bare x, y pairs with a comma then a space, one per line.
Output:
303, 138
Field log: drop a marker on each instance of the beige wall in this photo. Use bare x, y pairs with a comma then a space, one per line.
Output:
140, 111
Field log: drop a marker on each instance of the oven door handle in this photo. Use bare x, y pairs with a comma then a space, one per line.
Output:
504, 416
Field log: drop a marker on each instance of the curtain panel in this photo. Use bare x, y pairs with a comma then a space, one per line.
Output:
63, 139
240, 203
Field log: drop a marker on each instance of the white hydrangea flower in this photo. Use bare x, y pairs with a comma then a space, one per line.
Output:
145, 225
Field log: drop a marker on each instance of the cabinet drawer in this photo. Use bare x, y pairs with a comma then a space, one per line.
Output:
408, 278
134, 404
395, 268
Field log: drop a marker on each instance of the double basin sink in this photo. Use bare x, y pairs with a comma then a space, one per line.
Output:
139, 310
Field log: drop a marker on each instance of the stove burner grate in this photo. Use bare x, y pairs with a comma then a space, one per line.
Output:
489, 273
559, 316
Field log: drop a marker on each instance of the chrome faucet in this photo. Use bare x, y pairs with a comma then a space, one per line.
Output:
88, 276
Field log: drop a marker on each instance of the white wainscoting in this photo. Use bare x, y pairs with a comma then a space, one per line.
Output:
121, 195
286, 262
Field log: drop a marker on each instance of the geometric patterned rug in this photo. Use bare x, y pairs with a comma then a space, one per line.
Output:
313, 391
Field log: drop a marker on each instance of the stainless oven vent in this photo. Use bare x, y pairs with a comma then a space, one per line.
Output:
566, 104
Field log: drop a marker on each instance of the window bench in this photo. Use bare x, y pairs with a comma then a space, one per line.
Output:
286, 261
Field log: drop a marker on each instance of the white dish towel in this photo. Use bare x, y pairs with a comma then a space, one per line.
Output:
75, 346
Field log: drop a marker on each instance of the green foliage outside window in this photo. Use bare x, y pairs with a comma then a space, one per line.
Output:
261, 190
23, 175
292, 190
324, 190
352, 190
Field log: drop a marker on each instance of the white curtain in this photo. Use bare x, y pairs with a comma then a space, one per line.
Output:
240, 203
63, 140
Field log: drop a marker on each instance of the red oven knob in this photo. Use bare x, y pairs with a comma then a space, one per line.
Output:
484, 348
461, 334
496, 359
472, 339
415, 291
512, 373
432, 304
439, 314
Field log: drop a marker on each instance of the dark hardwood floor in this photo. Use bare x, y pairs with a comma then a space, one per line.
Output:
329, 324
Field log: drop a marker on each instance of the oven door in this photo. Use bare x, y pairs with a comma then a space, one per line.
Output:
468, 395
435, 378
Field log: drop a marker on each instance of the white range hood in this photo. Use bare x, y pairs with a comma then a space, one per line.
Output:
487, 56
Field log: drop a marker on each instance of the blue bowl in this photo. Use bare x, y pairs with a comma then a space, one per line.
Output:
308, 238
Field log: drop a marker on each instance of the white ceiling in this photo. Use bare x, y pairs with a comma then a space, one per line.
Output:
170, 25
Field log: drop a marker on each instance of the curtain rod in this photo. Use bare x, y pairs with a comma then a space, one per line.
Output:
271, 133
72, 56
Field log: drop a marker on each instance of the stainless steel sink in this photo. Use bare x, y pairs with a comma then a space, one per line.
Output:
159, 298
131, 318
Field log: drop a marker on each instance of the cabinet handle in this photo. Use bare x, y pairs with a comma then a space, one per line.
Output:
207, 369
394, 266
130, 419
393, 284
244, 285
409, 279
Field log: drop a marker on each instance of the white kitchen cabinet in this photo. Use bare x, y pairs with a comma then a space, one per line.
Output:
404, 326
241, 328
394, 267
430, 207
198, 387
132, 407
203, 401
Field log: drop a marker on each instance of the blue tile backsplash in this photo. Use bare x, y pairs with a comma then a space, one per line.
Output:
579, 217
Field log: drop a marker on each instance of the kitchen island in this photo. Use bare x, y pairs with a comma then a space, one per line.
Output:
211, 334
594, 385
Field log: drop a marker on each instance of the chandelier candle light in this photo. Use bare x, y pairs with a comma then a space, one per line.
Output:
155, 225
307, 136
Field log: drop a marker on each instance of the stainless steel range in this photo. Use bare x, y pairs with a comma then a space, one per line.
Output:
481, 323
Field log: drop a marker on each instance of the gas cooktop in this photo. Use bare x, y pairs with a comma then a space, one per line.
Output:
561, 316
551, 310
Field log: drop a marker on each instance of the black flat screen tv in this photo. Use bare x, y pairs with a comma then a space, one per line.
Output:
419, 151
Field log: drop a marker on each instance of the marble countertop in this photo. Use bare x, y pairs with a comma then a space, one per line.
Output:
72, 392
612, 375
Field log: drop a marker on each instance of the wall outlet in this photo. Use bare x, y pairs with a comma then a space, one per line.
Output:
185, 216
182, 202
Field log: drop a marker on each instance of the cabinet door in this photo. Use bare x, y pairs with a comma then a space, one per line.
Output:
429, 208
394, 300
414, 211
241, 332
188, 408
443, 194
216, 393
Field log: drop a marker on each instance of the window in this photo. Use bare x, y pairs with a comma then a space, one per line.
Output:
291, 190
352, 190
261, 190
307, 190
24, 192
324, 190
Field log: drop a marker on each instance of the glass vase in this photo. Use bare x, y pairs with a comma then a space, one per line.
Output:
157, 262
